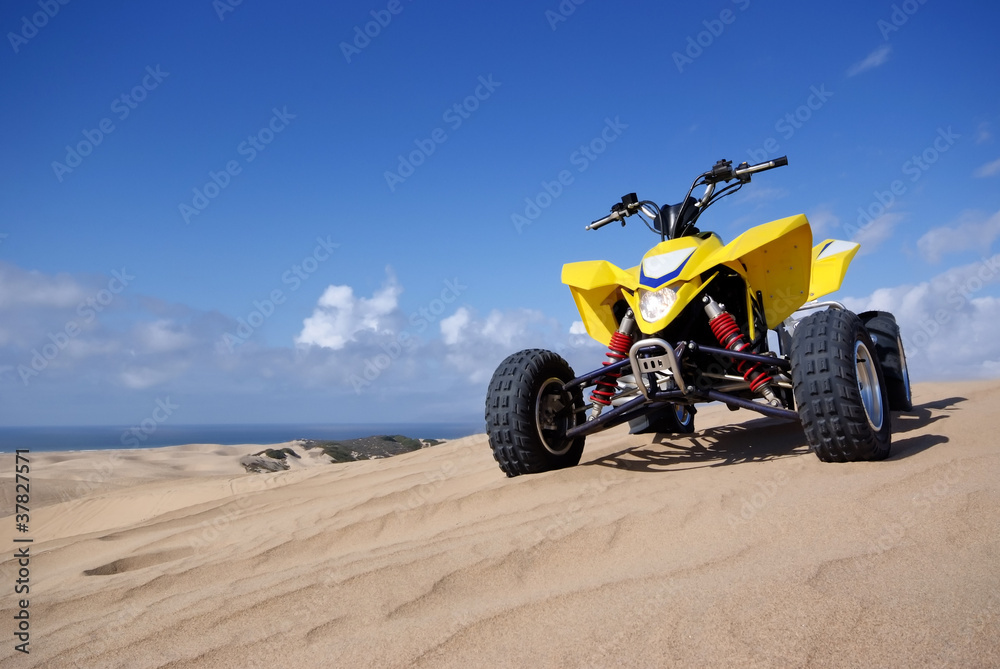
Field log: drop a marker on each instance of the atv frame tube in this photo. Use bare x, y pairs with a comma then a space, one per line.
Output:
779, 363
670, 361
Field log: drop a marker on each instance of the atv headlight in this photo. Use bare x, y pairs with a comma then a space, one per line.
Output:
654, 304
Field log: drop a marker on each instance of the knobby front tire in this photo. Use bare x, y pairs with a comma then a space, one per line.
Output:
528, 414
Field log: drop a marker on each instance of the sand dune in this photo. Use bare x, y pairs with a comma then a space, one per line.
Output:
734, 547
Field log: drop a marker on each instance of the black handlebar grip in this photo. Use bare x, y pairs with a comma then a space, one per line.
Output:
781, 162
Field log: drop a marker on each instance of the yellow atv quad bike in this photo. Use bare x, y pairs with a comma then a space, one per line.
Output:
690, 324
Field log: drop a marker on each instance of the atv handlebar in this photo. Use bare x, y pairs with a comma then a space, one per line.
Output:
722, 171
760, 167
601, 222
619, 212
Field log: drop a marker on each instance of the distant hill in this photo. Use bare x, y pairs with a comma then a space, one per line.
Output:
368, 448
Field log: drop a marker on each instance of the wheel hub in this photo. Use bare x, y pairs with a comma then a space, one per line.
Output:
554, 416
868, 385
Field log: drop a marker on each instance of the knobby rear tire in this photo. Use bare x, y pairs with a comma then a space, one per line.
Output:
884, 330
839, 388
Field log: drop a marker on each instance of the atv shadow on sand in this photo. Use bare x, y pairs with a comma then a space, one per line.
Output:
760, 440
925, 414
921, 416
754, 441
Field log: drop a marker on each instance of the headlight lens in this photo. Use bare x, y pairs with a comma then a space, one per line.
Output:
654, 304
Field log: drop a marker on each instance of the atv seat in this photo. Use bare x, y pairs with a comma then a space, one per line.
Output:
671, 214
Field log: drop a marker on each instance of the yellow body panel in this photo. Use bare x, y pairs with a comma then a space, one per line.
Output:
596, 286
686, 283
829, 265
775, 258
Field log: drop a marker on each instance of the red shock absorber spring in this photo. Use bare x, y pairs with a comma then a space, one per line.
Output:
607, 385
728, 333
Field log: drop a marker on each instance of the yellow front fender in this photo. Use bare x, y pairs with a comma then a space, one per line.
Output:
775, 259
596, 285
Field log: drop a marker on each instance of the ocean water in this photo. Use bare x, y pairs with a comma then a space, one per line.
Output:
100, 437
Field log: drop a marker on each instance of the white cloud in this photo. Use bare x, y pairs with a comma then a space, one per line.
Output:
583, 352
140, 378
475, 346
21, 288
973, 230
505, 329
948, 326
111, 367
876, 58
823, 221
989, 169
162, 336
339, 315
451, 327
871, 235
90, 335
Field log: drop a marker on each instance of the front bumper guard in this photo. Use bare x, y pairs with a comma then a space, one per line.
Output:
653, 364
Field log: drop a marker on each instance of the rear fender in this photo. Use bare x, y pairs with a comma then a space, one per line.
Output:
830, 260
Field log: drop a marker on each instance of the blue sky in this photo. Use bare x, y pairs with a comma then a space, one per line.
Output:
264, 215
